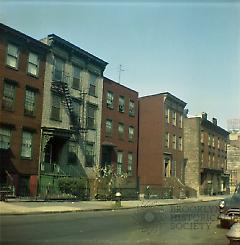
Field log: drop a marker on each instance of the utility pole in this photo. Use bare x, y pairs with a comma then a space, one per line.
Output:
119, 75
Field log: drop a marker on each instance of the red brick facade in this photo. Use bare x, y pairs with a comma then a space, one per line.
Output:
114, 142
14, 167
160, 154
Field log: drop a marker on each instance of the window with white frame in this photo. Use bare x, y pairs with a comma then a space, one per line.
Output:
174, 118
131, 133
121, 104
119, 162
131, 108
27, 139
180, 121
12, 55
167, 140
92, 85
91, 117
30, 102
58, 70
180, 144
109, 126
56, 108
33, 64
5, 137
130, 164
8, 100
110, 99
167, 115
121, 130
173, 168
174, 142
76, 77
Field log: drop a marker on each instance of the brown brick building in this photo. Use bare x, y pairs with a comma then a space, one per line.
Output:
22, 68
119, 133
205, 145
160, 154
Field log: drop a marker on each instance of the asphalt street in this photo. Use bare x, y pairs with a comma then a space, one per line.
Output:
194, 223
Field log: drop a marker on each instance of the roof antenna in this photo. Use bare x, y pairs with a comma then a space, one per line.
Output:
119, 75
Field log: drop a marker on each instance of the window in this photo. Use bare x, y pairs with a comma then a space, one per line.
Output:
89, 154
91, 110
131, 133
5, 136
167, 140
12, 55
209, 140
76, 77
130, 164
121, 104
213, 141
180, 121
33, 64
8, 101
119, 162
131, 108
76, 112
174, 142
167, 115
202, 136
30, 102
56, 108
173, 168
92, 85
174, 118
27, 139
121, 130
110, 99
180, 146
109, 127
58, 71
72, 153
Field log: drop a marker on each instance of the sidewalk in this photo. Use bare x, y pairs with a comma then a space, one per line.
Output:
16, 207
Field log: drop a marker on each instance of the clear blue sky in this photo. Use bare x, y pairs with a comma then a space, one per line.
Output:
188, 48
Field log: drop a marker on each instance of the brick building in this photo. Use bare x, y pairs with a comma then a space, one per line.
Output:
22, 69
71, 119
160, 153
119, 134
233, 159
205, 145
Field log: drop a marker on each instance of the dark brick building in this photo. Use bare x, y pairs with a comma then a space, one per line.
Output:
22, 68
160, 154
119, 132
205, 145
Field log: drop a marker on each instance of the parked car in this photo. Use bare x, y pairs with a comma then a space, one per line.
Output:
230, 209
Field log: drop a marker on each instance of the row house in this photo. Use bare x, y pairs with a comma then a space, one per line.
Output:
205, 145
71, 119
119, 134
22, 69
161, 151
233, 159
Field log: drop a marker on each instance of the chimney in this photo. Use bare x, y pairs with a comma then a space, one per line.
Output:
204, 115
214, 121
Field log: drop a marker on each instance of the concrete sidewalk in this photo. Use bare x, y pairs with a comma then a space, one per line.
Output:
16, 207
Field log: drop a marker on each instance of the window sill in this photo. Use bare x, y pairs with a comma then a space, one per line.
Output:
56, 120
93, 95
32, 75
12, 67
8, 109
26, 158
29, 115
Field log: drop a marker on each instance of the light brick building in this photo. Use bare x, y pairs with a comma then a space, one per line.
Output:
71, 121
205, 148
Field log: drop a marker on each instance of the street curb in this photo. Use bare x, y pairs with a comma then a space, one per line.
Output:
103, 209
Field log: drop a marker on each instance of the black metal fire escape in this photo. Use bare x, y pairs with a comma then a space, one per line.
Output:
60, 85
